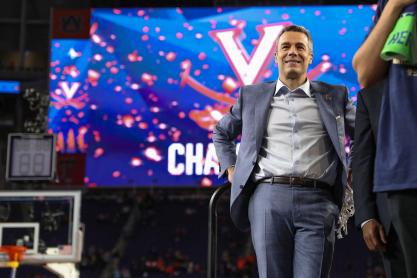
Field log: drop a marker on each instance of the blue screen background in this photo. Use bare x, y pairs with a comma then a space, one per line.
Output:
141, 83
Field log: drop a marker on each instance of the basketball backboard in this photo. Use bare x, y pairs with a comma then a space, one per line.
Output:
47, 223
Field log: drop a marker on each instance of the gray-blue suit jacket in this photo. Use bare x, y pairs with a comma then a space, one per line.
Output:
249, 117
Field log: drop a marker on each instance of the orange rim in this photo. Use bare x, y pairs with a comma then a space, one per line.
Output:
15, 253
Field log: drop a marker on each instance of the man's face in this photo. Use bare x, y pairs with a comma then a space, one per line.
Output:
293, 55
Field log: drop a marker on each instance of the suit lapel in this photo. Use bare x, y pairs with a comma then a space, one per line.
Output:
325, 103
262, 102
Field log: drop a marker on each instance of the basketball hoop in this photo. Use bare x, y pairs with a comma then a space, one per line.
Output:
15, 254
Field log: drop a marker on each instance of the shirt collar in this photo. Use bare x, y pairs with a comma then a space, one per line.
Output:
305, 87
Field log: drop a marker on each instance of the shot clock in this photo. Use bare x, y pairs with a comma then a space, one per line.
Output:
30, 157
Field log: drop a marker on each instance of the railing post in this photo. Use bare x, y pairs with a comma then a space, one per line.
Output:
212, 231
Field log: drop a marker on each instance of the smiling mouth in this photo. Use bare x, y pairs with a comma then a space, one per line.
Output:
292, 62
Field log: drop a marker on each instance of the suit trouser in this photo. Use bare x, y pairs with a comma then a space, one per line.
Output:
400, 259
292, 230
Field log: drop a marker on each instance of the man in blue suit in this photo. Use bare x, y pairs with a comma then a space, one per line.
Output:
289, 176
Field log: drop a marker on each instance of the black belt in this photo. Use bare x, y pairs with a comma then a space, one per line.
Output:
294, 181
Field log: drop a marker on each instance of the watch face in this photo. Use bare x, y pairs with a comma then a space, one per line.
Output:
30, 157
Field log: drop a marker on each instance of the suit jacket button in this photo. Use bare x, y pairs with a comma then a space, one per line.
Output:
241, 186
254, 162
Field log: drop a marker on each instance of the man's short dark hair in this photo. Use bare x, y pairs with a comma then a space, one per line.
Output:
296, 28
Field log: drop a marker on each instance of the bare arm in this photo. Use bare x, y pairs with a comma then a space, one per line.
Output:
367, 62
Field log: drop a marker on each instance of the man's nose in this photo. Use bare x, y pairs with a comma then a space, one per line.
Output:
292, 50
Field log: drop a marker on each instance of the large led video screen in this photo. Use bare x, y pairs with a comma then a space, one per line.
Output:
141, 96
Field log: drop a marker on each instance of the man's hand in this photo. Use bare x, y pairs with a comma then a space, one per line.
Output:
374, 236
230, 172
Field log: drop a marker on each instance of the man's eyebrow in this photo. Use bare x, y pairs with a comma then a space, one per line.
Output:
297, 44
300, 43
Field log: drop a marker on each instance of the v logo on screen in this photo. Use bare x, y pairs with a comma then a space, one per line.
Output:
68, 91
248, 68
